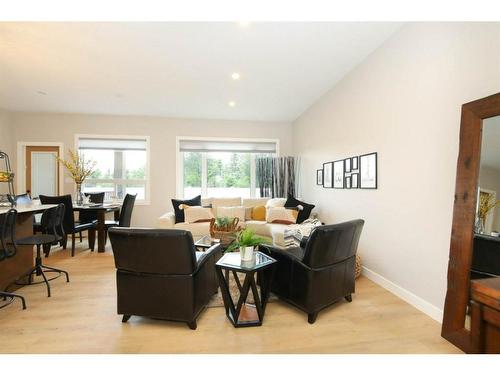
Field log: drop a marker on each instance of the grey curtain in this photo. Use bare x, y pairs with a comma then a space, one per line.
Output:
277, 176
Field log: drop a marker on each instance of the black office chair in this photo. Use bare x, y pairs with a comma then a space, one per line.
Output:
7, 235
125, 214
53, 232
90, 216
70, 227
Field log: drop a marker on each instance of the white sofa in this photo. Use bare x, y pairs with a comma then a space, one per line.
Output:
272, 231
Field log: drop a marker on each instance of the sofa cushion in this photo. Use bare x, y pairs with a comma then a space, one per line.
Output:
258, 213
197, 214
304, 208
254, 202
197, 229
226, 202
179, 214
237, 211
280, 215
276, 202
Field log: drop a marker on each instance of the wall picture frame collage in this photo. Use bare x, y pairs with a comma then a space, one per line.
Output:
356, 172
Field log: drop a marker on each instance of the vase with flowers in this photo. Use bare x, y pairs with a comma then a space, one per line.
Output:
79, 168
487, 202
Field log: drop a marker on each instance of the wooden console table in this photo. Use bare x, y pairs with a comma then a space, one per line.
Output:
485, 315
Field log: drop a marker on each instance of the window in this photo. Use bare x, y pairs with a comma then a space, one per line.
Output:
122, 165
220, 168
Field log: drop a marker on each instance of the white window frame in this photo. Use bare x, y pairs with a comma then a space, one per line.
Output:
147, 186
179, 162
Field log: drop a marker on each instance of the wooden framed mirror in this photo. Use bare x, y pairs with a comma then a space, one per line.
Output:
454, 327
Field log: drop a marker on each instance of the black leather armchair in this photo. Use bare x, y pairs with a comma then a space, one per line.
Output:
161, 275
321, 271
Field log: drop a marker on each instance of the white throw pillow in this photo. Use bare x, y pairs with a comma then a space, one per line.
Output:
197, 214
276, 202
235, 211
280, 215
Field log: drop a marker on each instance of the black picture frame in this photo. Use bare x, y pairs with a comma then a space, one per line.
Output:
328, 175
354, 180
354, 163
338, 174
348, 182
347, 165
368, 171
319, 177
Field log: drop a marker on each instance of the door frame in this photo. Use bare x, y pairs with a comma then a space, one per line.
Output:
21, 164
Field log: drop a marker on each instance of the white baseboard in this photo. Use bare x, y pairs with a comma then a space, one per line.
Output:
414, 300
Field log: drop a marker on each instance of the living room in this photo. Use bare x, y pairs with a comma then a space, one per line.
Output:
313, 149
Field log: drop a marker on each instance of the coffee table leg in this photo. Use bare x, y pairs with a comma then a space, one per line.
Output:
101, 231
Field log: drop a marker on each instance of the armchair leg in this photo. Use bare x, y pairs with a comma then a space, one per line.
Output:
311, 318
125, 318
64, 242
72, 244
192, 325
348, 298
81, 239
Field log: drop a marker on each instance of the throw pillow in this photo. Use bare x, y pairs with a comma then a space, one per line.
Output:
197, 214
276, 202
238, 211
280, 215
259, 213
304, 208
179, 213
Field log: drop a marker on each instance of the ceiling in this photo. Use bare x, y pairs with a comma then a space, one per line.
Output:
490, 144
179, 69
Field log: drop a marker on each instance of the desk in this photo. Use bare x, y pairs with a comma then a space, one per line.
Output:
101, 220
13, 268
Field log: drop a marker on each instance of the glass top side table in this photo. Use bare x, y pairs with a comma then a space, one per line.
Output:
261, 267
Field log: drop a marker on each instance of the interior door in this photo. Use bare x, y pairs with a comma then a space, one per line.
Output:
42, 170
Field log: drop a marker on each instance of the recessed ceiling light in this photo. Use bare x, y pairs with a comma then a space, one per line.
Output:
235, 76
232, 103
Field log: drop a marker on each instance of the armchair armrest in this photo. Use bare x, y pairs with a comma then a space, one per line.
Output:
293, 253
210, 252
167, 221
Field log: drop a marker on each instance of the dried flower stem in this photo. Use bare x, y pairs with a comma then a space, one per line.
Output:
78, 166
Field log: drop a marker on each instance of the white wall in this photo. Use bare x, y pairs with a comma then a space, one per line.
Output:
5, 143
42, 127
403, 102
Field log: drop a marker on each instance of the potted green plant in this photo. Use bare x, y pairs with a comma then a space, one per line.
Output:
246, 240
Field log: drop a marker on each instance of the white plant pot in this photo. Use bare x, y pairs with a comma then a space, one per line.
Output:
246, 253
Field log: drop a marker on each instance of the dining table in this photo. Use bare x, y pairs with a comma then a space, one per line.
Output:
101, 210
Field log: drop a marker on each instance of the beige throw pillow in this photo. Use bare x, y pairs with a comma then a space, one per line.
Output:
238, 211
276, 202
197, 214
280, 215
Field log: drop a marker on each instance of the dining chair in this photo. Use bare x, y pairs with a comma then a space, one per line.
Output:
7, 235
125, 214
70, 227
52, 232
89, 216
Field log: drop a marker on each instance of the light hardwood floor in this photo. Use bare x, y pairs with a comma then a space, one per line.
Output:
80, 317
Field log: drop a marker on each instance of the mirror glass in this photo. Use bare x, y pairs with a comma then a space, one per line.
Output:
486, 253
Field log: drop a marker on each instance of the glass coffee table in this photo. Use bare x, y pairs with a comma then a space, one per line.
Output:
206, 242
262, 266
